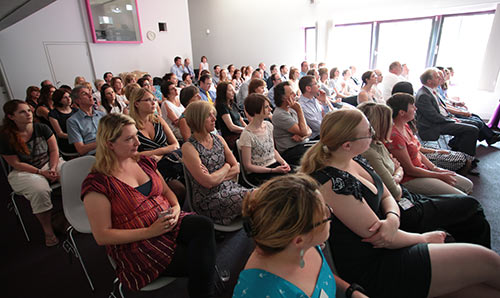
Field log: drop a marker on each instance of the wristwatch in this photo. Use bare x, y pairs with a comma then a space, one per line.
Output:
353, 287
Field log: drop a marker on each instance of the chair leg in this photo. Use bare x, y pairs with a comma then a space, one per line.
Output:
115, 283
70, 245
16, 210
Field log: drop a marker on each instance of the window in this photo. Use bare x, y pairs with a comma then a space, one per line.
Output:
463, 42
310, 42
406, 42
351, 46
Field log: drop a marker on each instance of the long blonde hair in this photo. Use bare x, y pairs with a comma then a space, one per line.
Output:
109, 130
336, 128
136, 95
282, 209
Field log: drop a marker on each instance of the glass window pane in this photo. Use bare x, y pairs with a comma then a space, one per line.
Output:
351, 46
462, 46
311, 44
406, 42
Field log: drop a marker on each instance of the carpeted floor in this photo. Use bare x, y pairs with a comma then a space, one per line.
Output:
29, 269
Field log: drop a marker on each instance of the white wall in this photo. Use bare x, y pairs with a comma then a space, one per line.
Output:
25, 62
247, 32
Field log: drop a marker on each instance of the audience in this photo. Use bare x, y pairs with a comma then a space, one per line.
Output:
58, 117
31, 150
32, 95
257, 86
203, 65
462, 216
188, 68
212, 167
434, 120
82, 125
367, 245
276, 79
290, 128
45, 104
237, 80
366, 94
304, 68
391, 78
258, 155
229, 120
107, 77
109, 101
243, 92
117, 84
188, 95
138, 218
177, 68
420, 175
205, 92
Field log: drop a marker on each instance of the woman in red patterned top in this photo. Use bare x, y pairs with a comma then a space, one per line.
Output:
420, 175
134, 213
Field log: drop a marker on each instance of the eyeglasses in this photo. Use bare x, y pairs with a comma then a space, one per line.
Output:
372, 133
147, 100
330, 217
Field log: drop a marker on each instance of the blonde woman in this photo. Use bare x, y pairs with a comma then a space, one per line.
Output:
288, 220
368, 246
212, 167
137, 217
155, 137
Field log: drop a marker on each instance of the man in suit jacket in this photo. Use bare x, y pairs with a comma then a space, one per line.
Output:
434, 120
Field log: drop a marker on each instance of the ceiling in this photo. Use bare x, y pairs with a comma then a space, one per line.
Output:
12, 11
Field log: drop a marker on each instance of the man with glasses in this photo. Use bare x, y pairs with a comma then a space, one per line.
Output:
82, 125
315, 104
205, 92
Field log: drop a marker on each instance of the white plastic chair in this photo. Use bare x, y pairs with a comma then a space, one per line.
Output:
234, 226
156, 284
12, 206
73, 173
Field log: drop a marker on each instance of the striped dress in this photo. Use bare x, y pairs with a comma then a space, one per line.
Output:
137, 263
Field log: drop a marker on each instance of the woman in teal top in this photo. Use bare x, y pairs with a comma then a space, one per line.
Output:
288, 220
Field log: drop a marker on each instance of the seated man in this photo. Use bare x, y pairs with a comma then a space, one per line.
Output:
82, 125
276, 79
434, 120
460, 111
314, 104
205, 92
177, 68
391, 78
290, 128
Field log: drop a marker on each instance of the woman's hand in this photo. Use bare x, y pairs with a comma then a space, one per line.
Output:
281, 169
447, 177
440, 151
286, 166
165, 223
52, 176
385, 231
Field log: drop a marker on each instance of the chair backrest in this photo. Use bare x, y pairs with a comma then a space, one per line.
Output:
242, 166
189, 190
5, 167
352, 100
73, 173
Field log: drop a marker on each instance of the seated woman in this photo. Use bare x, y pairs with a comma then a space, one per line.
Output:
257, 86
138, 218
31, 150
461, 216
188, 95
45, 104
293, 77
109, 101
117, 84
229, 121
171, 108
237, 80
258, 154
367, 246
32, 95
58, 116
335, 83
447, 159
420, 175
212, 167
369, 79
156, 139
288, 220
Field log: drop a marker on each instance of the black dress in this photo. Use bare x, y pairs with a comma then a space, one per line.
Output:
404, 272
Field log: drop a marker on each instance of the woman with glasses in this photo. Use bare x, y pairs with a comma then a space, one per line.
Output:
368, 247
258, 154
288, 221
420, 174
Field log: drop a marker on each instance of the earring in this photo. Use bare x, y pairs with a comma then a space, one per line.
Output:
302, 263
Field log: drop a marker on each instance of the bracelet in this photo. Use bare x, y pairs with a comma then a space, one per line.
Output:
38, 171
393, 212
353, 287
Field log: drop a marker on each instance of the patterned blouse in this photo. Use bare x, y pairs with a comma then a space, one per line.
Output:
141, 262
262, 145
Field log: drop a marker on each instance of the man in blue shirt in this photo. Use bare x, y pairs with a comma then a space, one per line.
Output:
205, 92
188, 68
82, 125
314, 104
177, 68
304, 67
